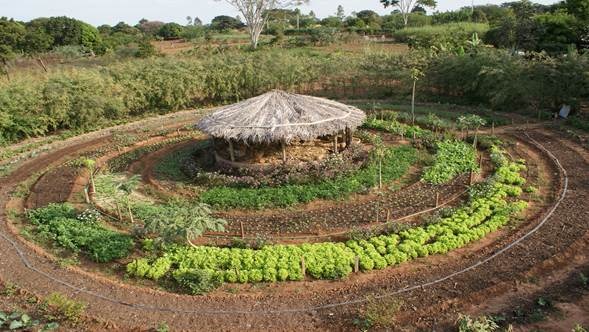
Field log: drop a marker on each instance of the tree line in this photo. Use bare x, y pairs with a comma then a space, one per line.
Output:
86, 98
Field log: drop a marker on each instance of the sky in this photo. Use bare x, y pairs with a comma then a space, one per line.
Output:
99, 12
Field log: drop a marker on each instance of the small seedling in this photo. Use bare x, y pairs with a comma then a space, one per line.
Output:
163, 327
9, 289
584, 279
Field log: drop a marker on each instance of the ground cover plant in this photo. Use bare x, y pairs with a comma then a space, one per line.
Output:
80, 232
487, 210
452, 158
395, 163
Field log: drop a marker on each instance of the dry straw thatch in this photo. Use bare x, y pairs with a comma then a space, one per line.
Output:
280, 116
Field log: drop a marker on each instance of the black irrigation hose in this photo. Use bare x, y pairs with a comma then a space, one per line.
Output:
147, 307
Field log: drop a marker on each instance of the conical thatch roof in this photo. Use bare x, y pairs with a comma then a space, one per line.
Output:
278, 115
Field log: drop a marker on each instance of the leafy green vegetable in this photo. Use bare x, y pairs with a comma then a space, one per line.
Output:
396, 162
452, 158
487, 211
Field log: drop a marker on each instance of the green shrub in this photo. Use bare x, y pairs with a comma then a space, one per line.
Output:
451, 35
59, 305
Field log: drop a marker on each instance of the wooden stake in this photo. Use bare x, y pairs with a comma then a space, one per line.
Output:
231, 151
335, 143
356, 264
242, 230
437, 199
86, 196
388, 215
493, 128
42, 64
119, 214
130, 213
471, 178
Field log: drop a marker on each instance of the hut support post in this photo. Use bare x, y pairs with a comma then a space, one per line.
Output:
231, 151
348, 137
283, 146
335, 143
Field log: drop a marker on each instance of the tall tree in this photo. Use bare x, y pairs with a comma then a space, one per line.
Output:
255, 13
341, 14
405, 7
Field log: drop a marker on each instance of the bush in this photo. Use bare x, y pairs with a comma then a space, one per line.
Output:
451, 36
59, 305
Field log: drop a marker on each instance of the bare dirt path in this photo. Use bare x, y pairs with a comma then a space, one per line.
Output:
316, 305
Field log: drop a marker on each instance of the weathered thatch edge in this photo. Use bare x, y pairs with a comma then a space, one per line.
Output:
280, 116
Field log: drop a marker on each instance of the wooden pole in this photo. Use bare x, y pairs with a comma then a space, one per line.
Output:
437, 199
42, 64
356, 264
86, 196
335, 143
231, 151
493, 128
283, 146
119, 214
348, 137
130, 213
242, 230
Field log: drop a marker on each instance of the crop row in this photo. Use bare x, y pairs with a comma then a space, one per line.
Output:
488, 210
62, 225
396, 162
452, 158
121, 162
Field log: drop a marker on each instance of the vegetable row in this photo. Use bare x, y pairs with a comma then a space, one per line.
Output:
487, 211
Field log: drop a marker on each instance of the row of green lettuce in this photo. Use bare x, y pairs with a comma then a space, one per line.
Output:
395, 163
490, 207
452, 157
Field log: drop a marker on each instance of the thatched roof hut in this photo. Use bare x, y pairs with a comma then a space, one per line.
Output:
278, 116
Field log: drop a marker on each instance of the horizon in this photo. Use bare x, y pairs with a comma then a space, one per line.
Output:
177, 10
